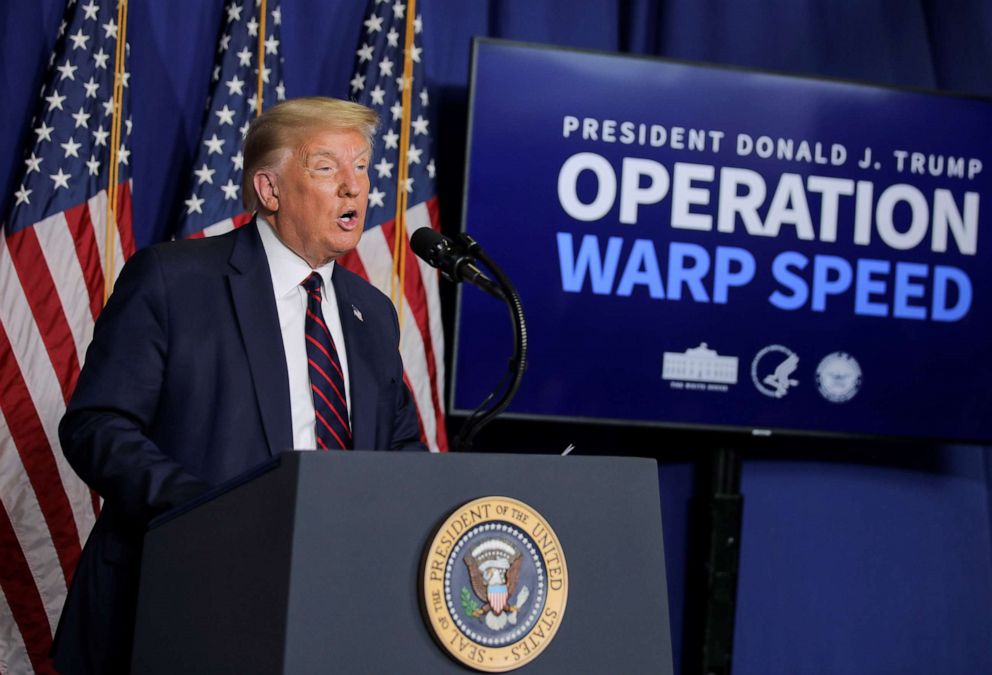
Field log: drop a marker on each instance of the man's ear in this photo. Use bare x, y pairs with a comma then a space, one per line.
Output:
266, 190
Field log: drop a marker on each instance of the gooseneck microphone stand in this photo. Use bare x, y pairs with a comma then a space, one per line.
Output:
456, 260
481, 416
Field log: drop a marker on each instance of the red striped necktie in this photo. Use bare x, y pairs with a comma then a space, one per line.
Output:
326, 379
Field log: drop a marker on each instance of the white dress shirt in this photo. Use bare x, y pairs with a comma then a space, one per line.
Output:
288, 272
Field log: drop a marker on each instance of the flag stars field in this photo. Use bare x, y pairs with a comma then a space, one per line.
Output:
22, 195
90, 10
81, 117
391, 139
383, 168
376, 197
61, 179
194, 204
79, 39
213, 206
225, 115
100, 135
67, 70
33, 163
205, 174
373, 24
44, 132
235, 86
71, 148
229, 189
214, 145
55, 101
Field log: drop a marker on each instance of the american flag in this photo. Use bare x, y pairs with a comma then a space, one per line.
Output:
379, 82
54, 265
214, 202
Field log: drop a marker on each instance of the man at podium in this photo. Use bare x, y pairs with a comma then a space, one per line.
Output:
215, 354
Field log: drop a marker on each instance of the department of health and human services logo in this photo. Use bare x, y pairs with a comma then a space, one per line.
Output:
495, 584
772, 370
838, 377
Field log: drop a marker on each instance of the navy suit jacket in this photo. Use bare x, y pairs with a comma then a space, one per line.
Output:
185, 387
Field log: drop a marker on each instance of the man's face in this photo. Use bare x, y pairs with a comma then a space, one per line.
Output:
321, 193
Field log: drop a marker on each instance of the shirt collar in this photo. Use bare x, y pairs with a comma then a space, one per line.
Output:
288, 269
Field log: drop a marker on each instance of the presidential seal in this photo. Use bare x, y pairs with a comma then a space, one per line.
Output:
494, 584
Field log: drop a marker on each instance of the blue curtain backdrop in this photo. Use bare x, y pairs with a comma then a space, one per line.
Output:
856, 557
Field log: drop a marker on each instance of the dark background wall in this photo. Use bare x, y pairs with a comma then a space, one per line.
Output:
856, 557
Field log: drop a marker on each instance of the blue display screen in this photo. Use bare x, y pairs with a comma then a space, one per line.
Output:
716, 247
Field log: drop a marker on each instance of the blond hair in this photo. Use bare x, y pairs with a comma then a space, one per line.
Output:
284, 127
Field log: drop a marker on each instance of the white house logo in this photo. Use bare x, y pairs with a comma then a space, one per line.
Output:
838, 377
699, 368
772, 370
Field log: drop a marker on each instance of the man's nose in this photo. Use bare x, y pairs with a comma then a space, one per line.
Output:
350, 185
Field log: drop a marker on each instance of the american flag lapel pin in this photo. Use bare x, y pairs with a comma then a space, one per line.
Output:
358, 313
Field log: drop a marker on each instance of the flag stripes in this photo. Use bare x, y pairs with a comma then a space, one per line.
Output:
13, 653
51, 278
84, 239
35, 279
24, 600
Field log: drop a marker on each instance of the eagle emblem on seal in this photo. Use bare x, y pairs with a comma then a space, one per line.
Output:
494, 570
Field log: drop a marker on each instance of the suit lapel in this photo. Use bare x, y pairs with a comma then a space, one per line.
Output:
358, 344
255, 307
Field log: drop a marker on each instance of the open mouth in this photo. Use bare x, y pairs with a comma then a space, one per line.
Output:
348, 219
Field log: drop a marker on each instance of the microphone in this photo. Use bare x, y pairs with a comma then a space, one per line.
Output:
454, 262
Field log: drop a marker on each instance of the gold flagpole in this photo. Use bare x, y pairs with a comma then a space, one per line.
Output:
398, 280
110, 249
261, 56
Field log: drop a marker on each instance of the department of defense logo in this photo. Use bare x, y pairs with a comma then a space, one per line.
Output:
494, 584
772, 369
838, 377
